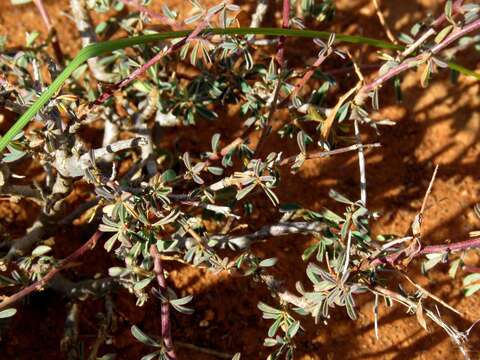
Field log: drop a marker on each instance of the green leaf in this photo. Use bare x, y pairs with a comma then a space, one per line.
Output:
168, 175
193, 18
427, 71
469, 291
335, 195
119, 6
143, 338
471, 278
433, 259
100, 28
215, 140
274, 327
110, 242
268, 262
293, 329
269, 342
150, 356
215, 170
169, 13
453, 268
177, 304
117, 271
271, 195
350, 305
267, 309
242, 193
309, 251
142, 284
443, 34
7, 313
31, 37
449, 10
182, 301
41, 250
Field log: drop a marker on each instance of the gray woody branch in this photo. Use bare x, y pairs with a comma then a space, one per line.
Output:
244, 241
87, 33
75, 165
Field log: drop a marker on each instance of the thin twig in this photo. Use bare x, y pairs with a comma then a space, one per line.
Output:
162, 18
244, 241
280, 56
457, 337
347, 252
324, 154
281, 43
384, 24
430, 249
456, 8
319, 61
328, 123
40, 284
200, 349
52, 32
415, 61
428, 293
87, 32
361, 164
429, 190
161, 54
447, 248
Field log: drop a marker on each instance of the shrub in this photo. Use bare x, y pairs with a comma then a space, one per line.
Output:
151, 203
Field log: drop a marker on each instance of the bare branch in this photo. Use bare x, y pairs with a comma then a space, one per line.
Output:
40, 284
52, 32
87, 33
267, 231
259, 14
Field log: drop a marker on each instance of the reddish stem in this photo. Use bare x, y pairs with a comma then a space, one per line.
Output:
38, 285
164, 19
430, 249
141, 70
471, 269
461, 245
165, 308
456, 8
411, 62
50, 28
285, 22
323, 56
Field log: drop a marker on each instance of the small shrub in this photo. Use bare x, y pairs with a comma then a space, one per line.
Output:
152, 203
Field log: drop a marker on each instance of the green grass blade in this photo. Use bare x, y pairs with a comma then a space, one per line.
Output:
109, 46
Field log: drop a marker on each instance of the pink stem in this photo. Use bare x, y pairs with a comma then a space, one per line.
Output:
461, 245
165, 308
285, 23
141, 70
471, 269
411, 62
164, 19
457, 6
431, 249
50, 28
310, 72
